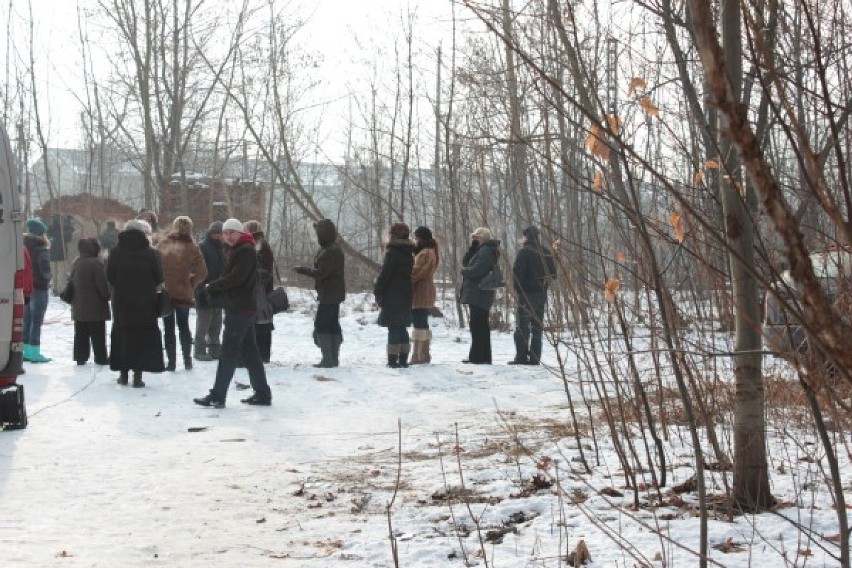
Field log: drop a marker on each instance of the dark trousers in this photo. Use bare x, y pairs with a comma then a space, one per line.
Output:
180, 316
94, 333
263, 336
238, 343
327, 319
529, 319
480, 336
208, 327
420, 318
34, 316
397, 335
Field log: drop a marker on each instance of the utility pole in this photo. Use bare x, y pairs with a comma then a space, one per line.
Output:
436, 164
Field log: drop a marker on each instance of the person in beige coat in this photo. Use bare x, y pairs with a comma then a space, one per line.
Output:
423, 277
184, 269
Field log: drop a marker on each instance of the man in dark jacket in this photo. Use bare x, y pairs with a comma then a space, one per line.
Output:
331, 290
235, 288
481, 258
109, 237
393, 292
533, 269
208, 319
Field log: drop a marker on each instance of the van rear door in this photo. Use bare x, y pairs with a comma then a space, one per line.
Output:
11, 251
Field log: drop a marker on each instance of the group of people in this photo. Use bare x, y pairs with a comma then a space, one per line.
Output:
227, 278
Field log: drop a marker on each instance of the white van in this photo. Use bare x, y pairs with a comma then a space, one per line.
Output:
13, 414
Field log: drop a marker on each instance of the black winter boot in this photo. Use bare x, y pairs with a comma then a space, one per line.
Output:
137, 380
186, 349
404, 350
393, 356
171, 353
326, 343
123, 378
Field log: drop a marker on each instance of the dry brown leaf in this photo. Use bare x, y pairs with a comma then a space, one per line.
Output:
711, 164
620, 256
611, 288
833, 537
580, 555
649, 107
614, 123
597, 183
698, 179
805, 552
729, 546
677, 224
595, 143
636, 83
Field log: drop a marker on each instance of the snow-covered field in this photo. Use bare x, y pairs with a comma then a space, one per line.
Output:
108, 476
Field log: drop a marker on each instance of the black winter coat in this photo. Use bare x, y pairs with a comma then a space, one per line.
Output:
533, 269
393, 289
213, 252
328, 265
239, 279
477, 263
134, 272
40, 258
91, 293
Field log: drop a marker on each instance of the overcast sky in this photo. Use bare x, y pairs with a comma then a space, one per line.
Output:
331, 30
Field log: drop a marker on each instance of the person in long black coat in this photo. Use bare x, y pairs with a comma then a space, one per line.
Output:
483, 255
90, 305
136, 275
533, 270
393, 292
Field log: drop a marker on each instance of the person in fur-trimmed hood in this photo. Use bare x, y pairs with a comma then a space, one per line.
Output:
480, 259
426, 260
90, 303
184, 269
393, 292
38, 244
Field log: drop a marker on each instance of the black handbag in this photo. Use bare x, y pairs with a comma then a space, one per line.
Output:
278, 300
164, 304
493, 280
67, 293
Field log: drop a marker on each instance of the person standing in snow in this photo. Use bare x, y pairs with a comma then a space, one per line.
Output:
480, 259
423, 279
184, 269
393, 292
109, 237
328, 274
90, 304
208, 319
136, 275
263, 326
533, 269
38, 245
235, 289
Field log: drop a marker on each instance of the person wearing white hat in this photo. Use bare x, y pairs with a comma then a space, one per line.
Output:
235, 291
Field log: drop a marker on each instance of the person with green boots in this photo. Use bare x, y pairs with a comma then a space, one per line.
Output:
328, 274
38, 246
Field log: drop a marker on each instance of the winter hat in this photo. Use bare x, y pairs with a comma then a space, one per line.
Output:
88, 246
138, 225
215, 228
149, 217
36, 227
252, 227
232, 225
399, 231
182, 225
531, 233
482, 233
423, 233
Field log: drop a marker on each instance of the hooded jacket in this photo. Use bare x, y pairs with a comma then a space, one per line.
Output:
91, 293
423, 276
239, 279
534, 267
478, 263
328, 270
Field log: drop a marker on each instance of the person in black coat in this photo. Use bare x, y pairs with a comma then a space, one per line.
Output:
480, 259
136, 275
236, 289
264, 325
328, 273
533, 269
109, 237
393, 292
90, 304
208, 319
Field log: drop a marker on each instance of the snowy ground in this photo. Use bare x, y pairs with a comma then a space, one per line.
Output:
113, 476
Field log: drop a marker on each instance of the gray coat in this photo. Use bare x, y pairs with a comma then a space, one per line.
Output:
91, 293
478, 264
